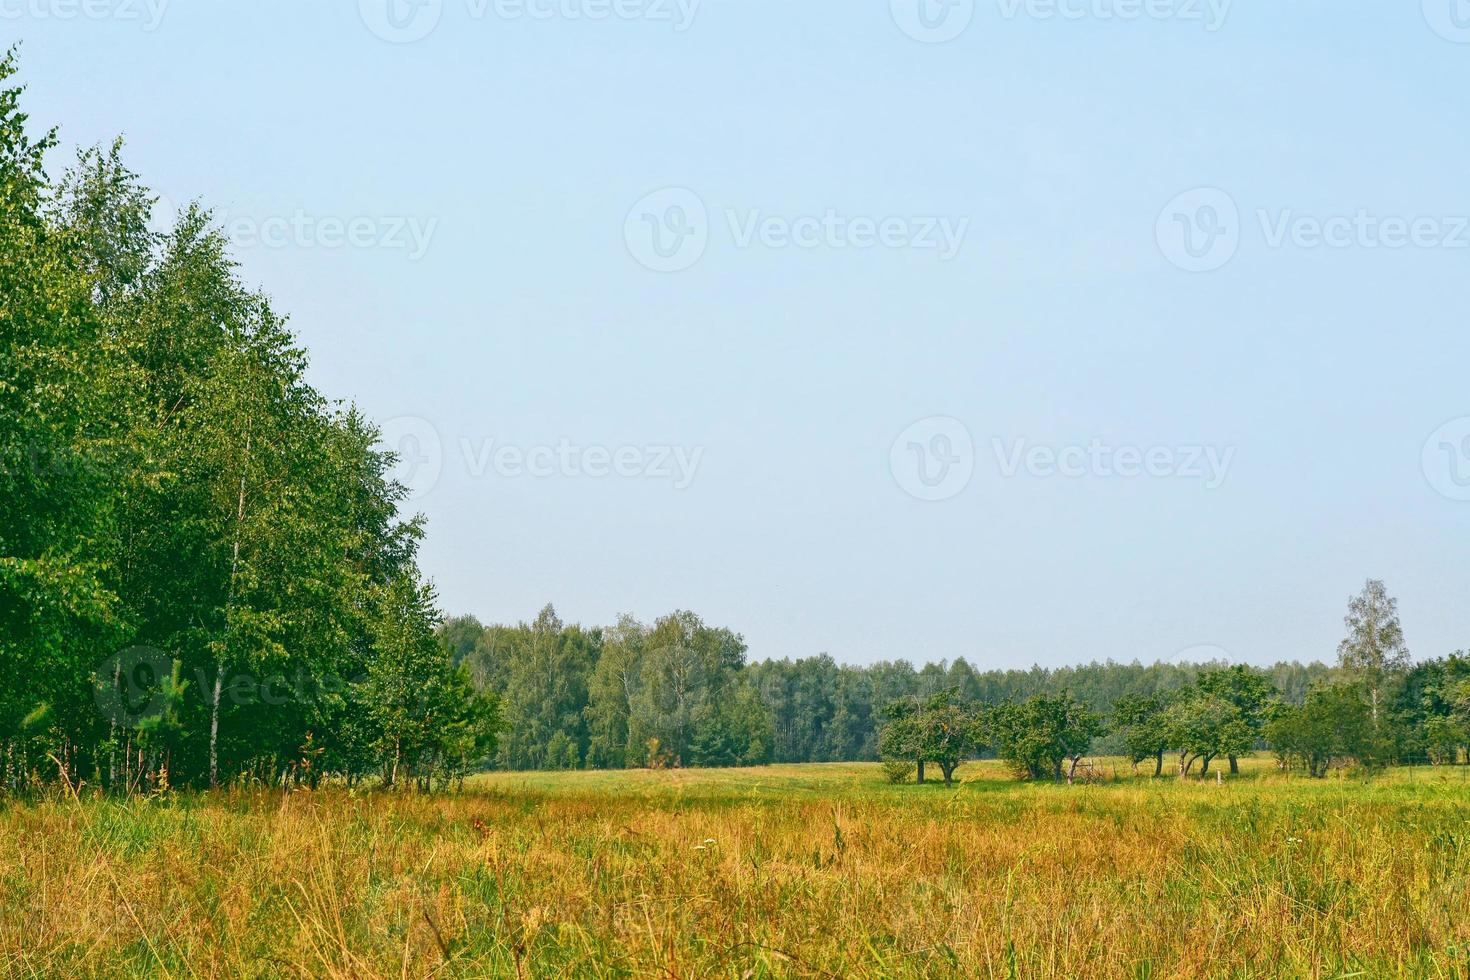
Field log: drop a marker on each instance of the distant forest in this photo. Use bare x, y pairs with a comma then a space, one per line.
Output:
681, 692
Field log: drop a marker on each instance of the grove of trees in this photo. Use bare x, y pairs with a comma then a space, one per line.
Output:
1375, 709
204, 572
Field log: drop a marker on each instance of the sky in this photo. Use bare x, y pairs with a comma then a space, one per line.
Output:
1028, 331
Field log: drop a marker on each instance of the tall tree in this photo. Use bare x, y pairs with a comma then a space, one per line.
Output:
611, 691
1374, 648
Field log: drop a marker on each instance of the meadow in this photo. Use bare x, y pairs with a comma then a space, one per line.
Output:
813, 870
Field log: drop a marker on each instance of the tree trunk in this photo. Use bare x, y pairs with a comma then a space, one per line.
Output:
921, 772
112, 752
219, 663
1234, 766
1159, 763
219, 683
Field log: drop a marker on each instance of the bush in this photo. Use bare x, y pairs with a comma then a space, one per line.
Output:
899, 770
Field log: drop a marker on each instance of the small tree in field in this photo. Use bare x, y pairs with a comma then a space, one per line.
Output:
899, 739
1203, 726
1249, 693
1038, 735
1139, 719
939, 729
946, 732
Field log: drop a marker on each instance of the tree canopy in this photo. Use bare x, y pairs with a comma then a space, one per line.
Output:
205, 573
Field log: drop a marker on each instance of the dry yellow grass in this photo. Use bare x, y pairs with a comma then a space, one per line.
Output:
779, 871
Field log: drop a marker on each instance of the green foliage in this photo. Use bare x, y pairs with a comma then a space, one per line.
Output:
169, 480
1373, 650
942, 729
1038, 735
1334, 725
1139, 719
1204, 725
898, 770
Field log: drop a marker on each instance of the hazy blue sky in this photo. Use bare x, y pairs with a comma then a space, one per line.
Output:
959, 270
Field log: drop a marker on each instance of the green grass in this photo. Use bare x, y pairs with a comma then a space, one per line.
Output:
778, 871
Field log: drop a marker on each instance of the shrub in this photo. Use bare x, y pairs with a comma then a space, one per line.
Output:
898, 770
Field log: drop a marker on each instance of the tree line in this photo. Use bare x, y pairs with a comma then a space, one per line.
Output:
681, 692
1376, 708
205, 575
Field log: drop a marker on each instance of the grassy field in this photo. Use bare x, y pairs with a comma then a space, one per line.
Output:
779, 871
